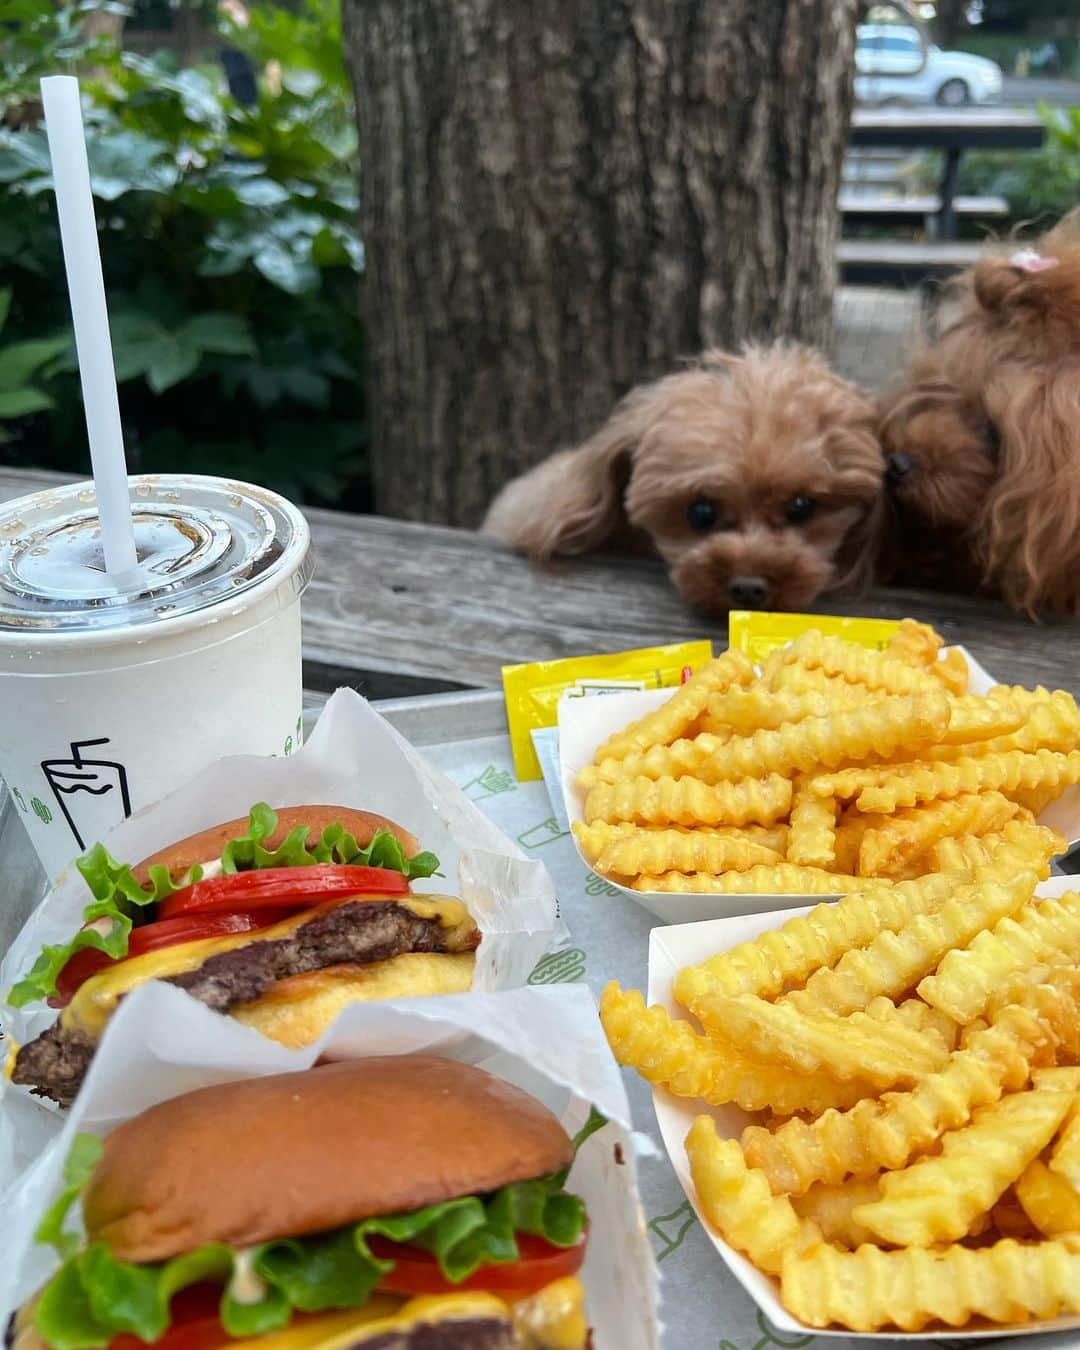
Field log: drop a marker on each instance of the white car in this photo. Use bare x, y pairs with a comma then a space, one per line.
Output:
893, 65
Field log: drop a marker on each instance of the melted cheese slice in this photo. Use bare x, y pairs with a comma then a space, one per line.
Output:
384, 1313
552, 1319
96, 1000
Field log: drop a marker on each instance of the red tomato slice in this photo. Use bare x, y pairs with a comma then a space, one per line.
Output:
195, 1323
291, 887
152, 937
417, 1272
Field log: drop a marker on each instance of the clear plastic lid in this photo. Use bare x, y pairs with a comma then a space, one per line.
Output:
200, 541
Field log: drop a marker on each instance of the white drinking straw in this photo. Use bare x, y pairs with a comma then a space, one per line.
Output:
86, 287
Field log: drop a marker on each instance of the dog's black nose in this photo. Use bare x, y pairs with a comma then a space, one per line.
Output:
748, 592
898, 466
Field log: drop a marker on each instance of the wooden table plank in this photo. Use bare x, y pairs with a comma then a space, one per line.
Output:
935, 128
398, 608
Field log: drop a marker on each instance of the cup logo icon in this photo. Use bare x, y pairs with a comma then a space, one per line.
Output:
92, 793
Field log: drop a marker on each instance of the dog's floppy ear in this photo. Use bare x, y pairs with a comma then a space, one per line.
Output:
859, 464
1029, 532
573, 501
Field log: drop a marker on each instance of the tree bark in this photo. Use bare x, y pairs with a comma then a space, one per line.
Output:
950, 20
560, 198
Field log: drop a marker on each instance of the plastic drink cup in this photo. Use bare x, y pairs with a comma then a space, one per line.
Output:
110, 697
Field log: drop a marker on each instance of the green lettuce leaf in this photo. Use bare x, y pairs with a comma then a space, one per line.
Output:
94, 1297
83, 1156
120, 900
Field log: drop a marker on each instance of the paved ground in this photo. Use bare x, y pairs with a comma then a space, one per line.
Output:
875, 328
1027, 93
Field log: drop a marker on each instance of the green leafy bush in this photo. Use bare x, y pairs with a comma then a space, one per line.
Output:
229, 244
1039, 185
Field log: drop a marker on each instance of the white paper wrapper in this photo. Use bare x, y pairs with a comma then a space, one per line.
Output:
681, 945
353, 758
584, 724
548, 1041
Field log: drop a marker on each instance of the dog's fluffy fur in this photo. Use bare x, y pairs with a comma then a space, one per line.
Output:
746, 434
983, 436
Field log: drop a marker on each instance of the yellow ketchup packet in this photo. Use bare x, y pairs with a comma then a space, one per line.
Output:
533, 690
756, 633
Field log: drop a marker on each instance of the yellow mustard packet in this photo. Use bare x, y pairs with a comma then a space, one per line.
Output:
533, 690
756, 633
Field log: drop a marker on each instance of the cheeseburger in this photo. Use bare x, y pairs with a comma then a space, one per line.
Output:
279, 920
400, 1203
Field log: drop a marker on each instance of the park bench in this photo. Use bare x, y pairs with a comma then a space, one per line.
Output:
905, 262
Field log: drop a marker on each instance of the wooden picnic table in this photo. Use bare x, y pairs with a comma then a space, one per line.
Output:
954, 131
398, 608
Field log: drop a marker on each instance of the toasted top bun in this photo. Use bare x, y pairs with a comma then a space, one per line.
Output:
208, 844
300, 1152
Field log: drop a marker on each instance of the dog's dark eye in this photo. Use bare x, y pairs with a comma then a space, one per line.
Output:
799, 508
702, 514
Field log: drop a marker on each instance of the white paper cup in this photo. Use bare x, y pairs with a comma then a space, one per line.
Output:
110, 698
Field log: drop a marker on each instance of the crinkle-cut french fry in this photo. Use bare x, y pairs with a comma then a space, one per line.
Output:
915, 643
681, 758
1052, 722
737, 1201
758, 708
628, 854
1049, 1200
830, 1207
952, 670
812, 842
668, 722
857, 664
1010, 773
981, 719
887, 1133
896, 961
852, 828
1035, 800
914, 1013
764, 879
1019, 842
859, 1046
672, 1054
686, 801
797, 678
937, 1199
790, 954
1065, 1159
874, 729
1053, 994
871, 1288
846, 784
772, 837
967, 978
903, 836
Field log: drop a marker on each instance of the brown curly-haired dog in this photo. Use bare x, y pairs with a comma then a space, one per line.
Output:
757, 478
983, 437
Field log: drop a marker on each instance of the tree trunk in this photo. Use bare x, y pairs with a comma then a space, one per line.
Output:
560, 199
950, 20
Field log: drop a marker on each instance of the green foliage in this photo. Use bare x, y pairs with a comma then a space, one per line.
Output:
229, 245
20, 363
1041, 185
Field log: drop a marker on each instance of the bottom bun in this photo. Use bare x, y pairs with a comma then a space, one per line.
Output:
299, 1009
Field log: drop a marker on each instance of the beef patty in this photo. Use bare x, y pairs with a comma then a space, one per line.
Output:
471, 1333
354, 933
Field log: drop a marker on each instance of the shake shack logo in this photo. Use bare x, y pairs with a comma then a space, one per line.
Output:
91, 790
